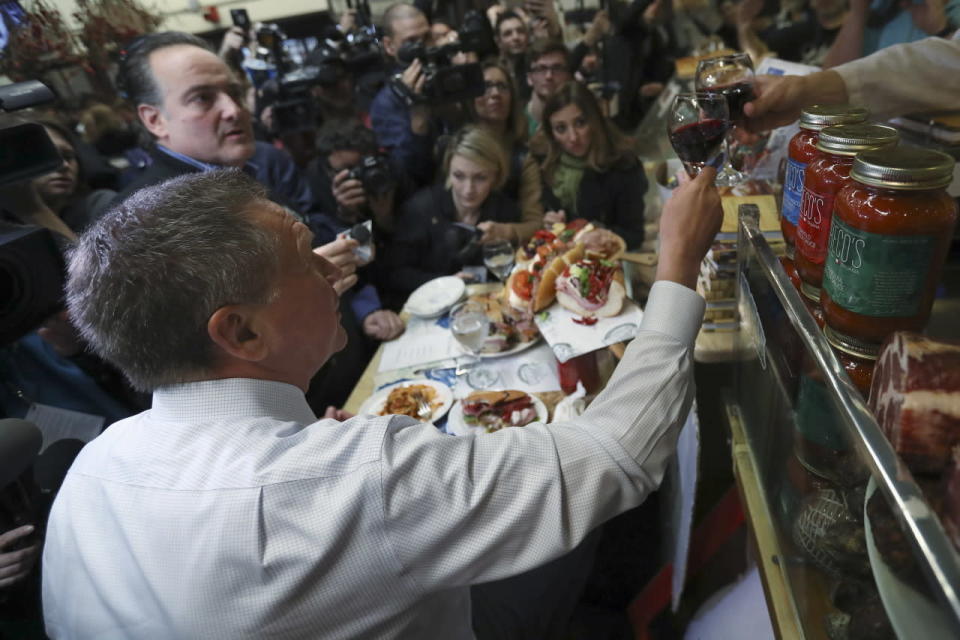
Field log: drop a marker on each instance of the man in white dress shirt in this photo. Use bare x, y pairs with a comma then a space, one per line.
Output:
228, 510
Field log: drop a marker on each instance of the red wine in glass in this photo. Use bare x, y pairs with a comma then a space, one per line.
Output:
697, 125
697, 143
737, 94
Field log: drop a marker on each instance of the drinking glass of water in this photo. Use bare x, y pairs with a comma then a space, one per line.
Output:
470, 326
499, 256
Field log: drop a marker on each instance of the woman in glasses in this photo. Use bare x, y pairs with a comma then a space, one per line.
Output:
589, 167
500, 112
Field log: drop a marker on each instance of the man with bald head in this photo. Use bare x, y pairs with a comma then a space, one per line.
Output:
404, 127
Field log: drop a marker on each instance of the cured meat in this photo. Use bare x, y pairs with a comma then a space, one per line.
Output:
915, 397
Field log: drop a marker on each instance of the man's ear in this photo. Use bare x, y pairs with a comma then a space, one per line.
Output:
529, 81
152, 118
234, 329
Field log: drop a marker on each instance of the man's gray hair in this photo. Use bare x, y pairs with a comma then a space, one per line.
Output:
144, 280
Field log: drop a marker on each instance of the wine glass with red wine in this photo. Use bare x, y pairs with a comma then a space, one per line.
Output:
732, 77
697, 125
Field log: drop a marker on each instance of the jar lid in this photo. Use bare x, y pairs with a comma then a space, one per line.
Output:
851, 346
826, 115
908, 168
810, 291
851, 139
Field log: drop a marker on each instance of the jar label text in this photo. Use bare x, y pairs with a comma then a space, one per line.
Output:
793, 190
814, 225
875, 274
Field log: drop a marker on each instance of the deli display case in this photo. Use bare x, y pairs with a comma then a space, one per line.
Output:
851, 544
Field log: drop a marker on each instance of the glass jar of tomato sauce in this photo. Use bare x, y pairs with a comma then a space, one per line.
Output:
857, 358
811, 300
822, 180
801, 151
891, 232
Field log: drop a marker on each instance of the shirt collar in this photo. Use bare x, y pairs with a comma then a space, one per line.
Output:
231, 398
249, 168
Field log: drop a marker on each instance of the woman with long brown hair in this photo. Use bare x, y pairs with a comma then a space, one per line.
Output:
589, 167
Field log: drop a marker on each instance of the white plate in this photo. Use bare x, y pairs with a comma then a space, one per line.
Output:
433, 299
517, 348
458, 427
375, 403
908, 610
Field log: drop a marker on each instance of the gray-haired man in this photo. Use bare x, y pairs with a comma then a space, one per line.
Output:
229, 511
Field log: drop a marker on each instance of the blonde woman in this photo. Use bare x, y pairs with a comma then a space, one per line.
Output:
439, 229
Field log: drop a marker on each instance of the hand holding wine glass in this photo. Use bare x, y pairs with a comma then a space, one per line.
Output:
697, 124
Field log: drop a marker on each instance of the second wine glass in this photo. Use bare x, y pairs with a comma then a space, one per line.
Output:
731, 76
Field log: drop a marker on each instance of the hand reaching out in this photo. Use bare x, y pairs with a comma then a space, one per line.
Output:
15, 565
383, 325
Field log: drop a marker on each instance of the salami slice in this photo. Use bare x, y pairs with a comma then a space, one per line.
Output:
915, 397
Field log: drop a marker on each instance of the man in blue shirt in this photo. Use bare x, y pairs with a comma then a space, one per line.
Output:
405, 130
192, 105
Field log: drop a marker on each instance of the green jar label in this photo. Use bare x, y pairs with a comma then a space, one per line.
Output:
875, 274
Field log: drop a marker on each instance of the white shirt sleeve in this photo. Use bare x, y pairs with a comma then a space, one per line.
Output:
465, 510
905, 78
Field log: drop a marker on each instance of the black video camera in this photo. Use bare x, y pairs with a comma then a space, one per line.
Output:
31, 268
444, 81
374, 174
26, 150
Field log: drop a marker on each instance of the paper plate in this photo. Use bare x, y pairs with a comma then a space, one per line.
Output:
375, 403
458, 427
434, 298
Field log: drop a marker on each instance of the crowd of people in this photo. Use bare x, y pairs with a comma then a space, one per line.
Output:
171, 288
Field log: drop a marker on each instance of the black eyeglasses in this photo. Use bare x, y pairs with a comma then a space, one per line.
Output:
490, 87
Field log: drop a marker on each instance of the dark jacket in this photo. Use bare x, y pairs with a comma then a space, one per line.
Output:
429, 243
271, 167
614, 199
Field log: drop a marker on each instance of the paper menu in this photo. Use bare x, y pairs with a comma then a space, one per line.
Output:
569, 339
423, 341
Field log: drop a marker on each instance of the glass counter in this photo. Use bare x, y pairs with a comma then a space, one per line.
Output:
847, 541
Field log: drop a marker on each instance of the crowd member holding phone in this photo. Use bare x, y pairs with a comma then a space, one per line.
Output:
438, 231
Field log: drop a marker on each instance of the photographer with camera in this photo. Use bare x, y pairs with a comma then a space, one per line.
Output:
404, 127
355, 187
